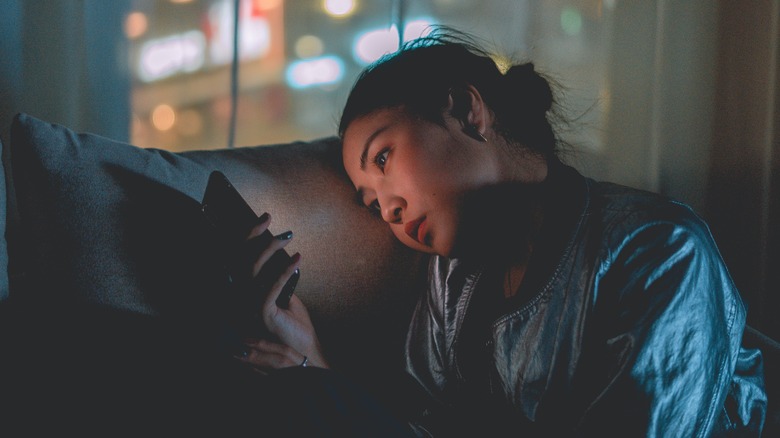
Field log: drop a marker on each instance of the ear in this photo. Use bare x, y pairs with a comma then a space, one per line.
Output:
467, 106
479, 116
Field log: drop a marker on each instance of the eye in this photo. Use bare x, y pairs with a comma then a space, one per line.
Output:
381, 159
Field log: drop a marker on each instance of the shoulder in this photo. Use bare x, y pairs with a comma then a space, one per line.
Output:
609, 213
623, 212
619, 202
652, 243
658, 260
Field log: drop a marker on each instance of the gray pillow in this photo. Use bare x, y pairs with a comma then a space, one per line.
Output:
108, 223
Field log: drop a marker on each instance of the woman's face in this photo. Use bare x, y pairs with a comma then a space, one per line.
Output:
416, 174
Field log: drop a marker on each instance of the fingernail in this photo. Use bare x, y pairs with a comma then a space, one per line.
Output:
287, 235
263, 217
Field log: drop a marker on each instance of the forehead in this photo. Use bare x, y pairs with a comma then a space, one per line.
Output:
363, 129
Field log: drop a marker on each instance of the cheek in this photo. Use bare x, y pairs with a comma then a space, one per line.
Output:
438, 182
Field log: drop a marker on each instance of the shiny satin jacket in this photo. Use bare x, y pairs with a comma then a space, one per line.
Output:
633, 327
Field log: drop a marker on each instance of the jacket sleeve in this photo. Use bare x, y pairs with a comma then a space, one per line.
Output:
668, 326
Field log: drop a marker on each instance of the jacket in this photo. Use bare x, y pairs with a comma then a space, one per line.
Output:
627, 324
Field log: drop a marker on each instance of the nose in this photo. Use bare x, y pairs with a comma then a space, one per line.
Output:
392, 209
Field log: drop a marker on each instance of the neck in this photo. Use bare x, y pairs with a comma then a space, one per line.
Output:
517, 261
513, 279
502, 221
520, 164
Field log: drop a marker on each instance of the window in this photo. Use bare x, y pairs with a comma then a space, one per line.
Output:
300, 58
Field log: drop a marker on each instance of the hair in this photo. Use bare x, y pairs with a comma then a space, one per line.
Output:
424, 72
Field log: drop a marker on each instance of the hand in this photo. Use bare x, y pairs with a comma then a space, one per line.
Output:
292, 326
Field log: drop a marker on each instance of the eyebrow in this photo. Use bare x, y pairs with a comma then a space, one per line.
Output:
364, 155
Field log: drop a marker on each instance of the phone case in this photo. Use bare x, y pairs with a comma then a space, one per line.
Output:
233, 219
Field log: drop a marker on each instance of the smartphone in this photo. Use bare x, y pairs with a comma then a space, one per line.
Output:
232, 218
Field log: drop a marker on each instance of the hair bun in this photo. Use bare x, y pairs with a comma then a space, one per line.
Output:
529, 87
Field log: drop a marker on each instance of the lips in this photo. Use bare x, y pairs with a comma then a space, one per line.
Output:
416, 229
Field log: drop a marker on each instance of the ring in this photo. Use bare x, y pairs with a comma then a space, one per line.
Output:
305, 362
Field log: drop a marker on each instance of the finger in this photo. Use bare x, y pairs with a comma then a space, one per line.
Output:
266, 346
255, 242
270, 355
283, 300
269, 307
264, 361
277, 243
262, 224
296, 306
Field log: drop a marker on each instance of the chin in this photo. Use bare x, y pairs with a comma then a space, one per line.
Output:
451, 253
413, 244
424, 248
447, 251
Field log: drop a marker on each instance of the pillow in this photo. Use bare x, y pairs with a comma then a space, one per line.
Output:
106, 223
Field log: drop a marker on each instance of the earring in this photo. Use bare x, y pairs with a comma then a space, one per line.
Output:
473, 132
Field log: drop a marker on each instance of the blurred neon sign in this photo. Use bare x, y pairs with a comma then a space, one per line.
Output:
315, 71
254, 31
187, 52
174, 54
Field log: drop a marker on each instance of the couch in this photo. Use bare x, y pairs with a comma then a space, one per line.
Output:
111, 296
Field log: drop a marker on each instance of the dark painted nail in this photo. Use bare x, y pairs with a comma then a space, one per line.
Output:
263, 217
242, 353
287, 235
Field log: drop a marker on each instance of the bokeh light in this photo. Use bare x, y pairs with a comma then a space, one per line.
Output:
571, 21
309, 46
163, 117
373, 44
136, 25
339, 8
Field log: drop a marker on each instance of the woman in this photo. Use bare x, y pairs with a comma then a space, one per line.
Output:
557, 305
